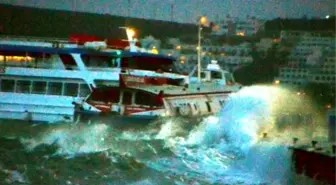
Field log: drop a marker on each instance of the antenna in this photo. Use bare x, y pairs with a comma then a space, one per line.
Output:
172, 11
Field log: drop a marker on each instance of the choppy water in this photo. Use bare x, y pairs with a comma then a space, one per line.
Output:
221, 149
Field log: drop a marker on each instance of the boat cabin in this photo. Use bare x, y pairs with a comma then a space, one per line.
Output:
123, 100
213, 73
74, 87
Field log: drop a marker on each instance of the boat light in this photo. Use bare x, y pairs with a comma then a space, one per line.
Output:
241, 34
130, 32
154, 50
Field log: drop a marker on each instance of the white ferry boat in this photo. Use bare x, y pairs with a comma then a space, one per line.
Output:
42, 79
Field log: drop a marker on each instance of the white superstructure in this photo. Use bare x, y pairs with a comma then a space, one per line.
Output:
42, 80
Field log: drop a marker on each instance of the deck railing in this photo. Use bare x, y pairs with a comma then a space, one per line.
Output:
34, 39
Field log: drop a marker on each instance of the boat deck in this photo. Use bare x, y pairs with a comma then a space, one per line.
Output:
209, 88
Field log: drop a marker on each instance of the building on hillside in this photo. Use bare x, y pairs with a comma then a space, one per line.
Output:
233, 26
229, 57
150, 42
309, 37
323, 72
312, 59
264, 45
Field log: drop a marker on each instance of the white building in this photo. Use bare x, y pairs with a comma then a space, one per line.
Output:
229, 57
311, 60
150, 42
311, 37
234, 26
265, 44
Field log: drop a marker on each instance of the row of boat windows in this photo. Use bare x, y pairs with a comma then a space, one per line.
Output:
100, 61
44, 87
125, 97
216, 75
16, 58
196, 106
188, 106
31, 61
46, 60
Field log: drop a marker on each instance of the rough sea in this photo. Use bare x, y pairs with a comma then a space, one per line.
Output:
240, 146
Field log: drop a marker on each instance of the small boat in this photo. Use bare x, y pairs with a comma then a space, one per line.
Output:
147, 98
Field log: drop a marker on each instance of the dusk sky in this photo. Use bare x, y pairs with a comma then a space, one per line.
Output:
188, 10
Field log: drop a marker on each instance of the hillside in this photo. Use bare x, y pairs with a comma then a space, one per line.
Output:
26, 21
273, 27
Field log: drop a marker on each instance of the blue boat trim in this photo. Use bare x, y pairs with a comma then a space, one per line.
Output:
132, 54
51, 50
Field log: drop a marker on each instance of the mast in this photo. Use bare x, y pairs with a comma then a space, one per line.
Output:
202, 21
199, 53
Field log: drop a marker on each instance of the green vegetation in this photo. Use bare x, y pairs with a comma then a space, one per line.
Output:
273, 27
322, 94
24, 21
264, 67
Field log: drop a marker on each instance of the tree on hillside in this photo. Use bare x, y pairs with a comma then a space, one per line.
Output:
263, 69
322, 94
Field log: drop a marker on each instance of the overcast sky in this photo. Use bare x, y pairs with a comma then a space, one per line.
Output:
188, 10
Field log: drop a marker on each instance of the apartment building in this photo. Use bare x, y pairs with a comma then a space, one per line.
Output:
235, 26
312, 59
